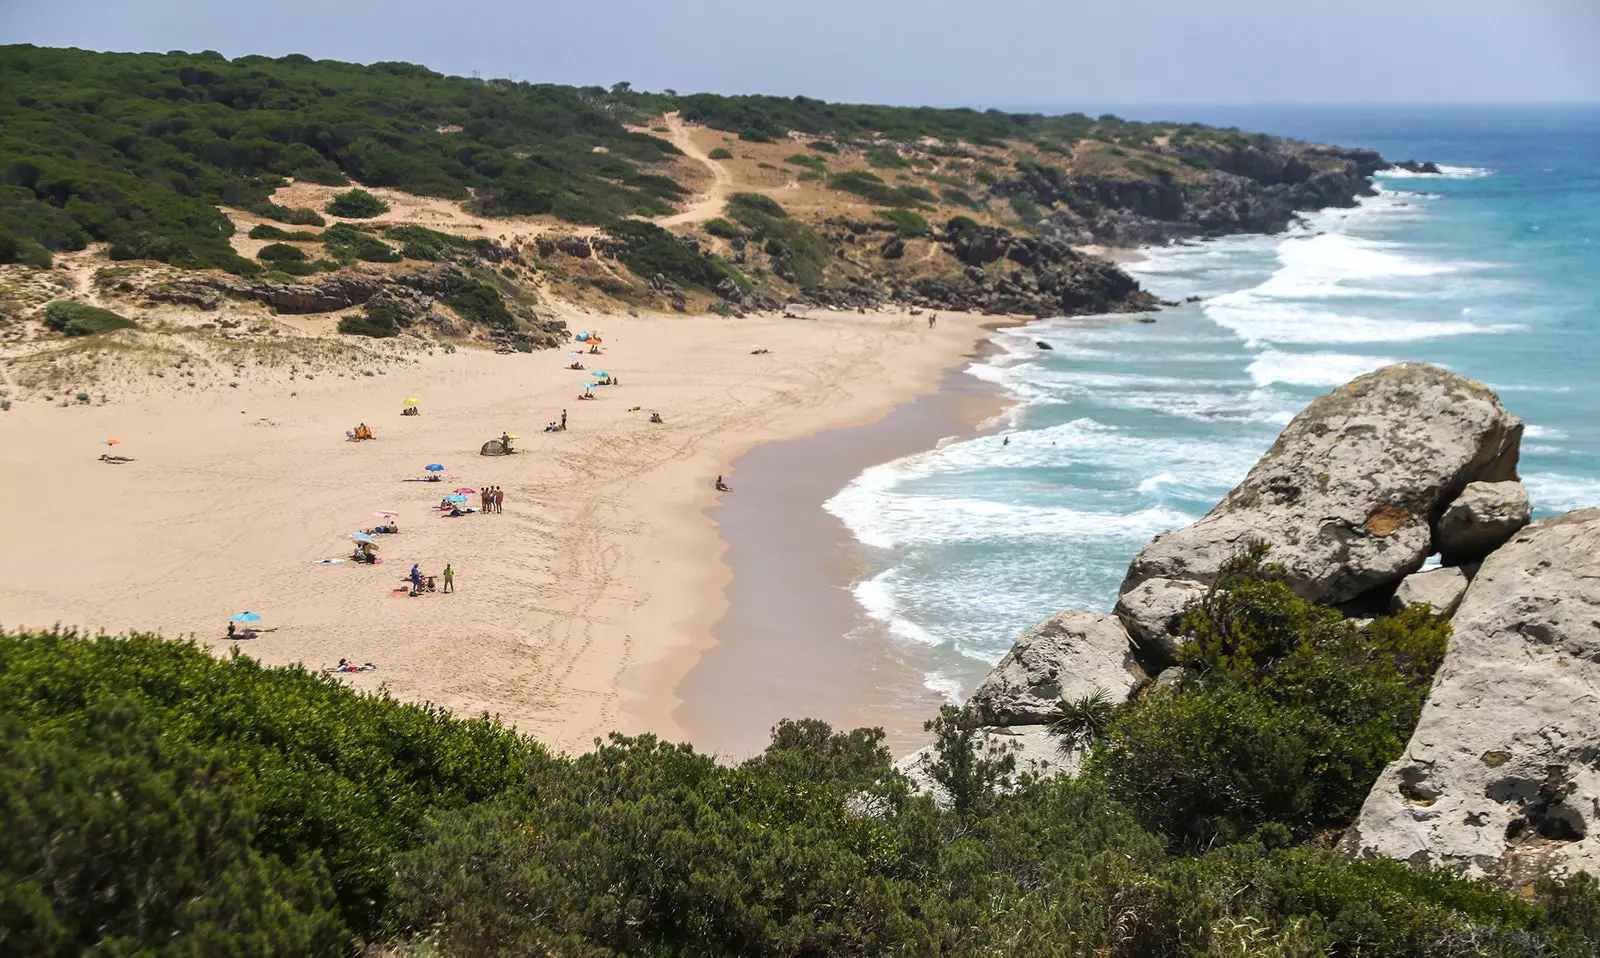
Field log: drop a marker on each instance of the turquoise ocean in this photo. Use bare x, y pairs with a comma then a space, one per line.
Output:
1125, 429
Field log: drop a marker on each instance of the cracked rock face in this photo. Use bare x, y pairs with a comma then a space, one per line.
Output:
1500, 776
1347, 495
1485, 515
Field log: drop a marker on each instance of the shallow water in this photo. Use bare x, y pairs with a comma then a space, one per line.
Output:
1126, 429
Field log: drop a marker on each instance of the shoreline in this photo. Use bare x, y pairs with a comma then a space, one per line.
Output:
581, 607
794, 642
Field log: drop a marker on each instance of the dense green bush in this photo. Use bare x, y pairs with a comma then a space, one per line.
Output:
357, 203
419, 242
478, 300
806, 160
281, 253
885, 158
327, 780
960, 198
720, 153
267, 231
378, 322
718, 226
801, 250
346, 244
80, 319
822, 146
1026, 210
652, 251
907, 223
1293, 713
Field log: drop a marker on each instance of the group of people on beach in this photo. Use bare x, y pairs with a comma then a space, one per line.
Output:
422, 584
561, 426
493, 499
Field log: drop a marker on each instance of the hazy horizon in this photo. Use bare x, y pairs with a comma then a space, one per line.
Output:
1063, 55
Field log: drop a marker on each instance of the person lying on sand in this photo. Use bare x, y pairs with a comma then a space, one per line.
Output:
455, 512
237, 633
119, 460
576, 365
587, 394
411, 411
723, 486
345, 665
430, 477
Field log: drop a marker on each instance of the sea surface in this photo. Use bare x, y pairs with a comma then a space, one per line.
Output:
1125, 429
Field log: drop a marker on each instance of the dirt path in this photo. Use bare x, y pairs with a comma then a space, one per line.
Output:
703, 206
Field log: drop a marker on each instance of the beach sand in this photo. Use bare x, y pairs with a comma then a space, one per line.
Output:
795, 642
578, 611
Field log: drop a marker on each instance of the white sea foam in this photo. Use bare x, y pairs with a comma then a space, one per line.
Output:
1560, 492
1532, 431
877, 597
1445, 172
1311, 369
944, 685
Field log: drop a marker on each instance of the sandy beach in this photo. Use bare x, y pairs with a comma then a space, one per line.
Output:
579, 610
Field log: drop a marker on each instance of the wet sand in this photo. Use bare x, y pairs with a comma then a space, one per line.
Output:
794, 642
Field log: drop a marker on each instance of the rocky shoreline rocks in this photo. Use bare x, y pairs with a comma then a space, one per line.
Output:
1499, 779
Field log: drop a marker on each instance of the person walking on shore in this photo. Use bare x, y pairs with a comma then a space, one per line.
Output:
563, 420
449, 578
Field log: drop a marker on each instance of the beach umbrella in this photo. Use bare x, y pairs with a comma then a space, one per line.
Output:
413, 401
575, 353
582, 337
466, 489
363, 537
600, 372
113, 442
247, 617
458, 497
434, 467
512, 435
386, 514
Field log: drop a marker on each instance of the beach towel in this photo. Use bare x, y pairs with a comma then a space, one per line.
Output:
329, 561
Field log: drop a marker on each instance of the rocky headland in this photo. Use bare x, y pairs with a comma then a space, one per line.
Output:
1360, 490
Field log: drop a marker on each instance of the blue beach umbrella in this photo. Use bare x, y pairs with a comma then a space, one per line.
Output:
455, 497
434, 467
247, 617
600, 372
362, 537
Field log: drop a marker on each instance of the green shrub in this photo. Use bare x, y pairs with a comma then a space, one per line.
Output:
346, 243
717, 226
815, 163
885, 158
652, 250
80, 319
960, 198
419, 242
357, 203
907, 223
480, 301
292, 268
1294, 713
333, 781
802, 248
267, 231
1026, 210
375, 321
281, 253
720, 153
872, 188
755, 203
822, 146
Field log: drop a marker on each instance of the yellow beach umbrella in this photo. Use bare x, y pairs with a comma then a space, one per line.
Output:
413, 401
512, 435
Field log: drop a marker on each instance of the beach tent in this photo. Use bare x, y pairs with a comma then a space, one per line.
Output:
493, 448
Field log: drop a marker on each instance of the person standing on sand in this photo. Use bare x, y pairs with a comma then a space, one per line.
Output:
499, 499
449, 578
563, 420
932, 319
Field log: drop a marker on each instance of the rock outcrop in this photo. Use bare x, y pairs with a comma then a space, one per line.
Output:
1439, 589
1069, 655
1484, 516
1499, 778
1346, 497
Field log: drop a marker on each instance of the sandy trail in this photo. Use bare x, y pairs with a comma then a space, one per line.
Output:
706, 205
579, 609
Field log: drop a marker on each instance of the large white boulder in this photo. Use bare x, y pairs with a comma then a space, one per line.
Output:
1485, 515
1069, 655
1346, 496
1501, 777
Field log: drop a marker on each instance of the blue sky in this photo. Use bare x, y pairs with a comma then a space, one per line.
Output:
942, 52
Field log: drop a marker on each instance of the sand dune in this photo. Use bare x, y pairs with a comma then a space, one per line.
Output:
579, 609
